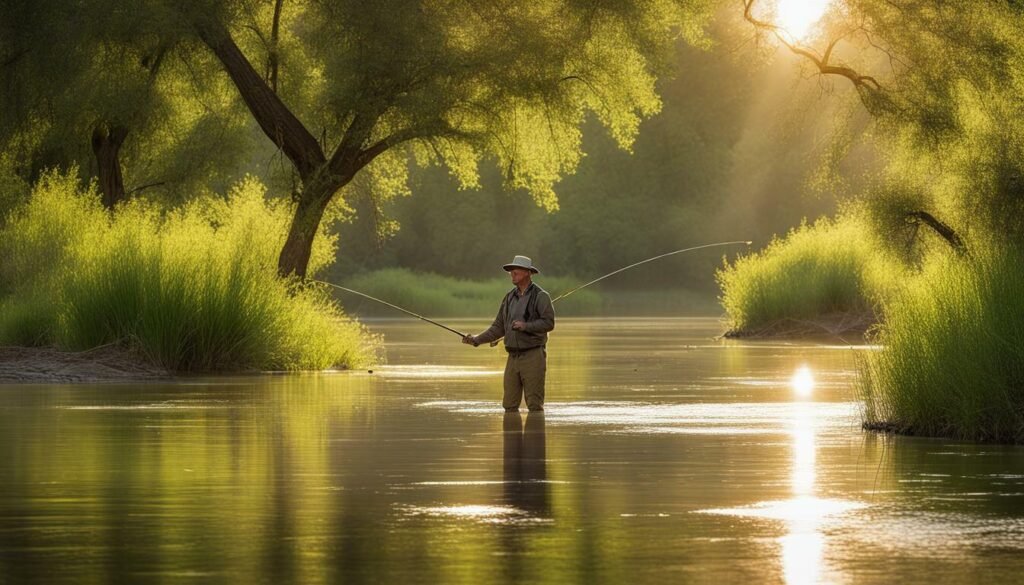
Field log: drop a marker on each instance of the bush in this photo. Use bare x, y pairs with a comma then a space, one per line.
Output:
196, 289
828, 268
952, 362
433, 295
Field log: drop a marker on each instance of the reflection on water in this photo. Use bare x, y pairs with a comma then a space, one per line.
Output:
525, 463
662, 456
804, 514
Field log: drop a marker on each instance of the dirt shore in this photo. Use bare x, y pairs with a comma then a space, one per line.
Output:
845, 327
33, 365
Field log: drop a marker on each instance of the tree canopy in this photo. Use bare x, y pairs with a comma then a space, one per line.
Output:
945, 85
446, 84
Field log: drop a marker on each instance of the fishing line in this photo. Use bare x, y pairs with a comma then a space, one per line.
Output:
561, 296
635, 264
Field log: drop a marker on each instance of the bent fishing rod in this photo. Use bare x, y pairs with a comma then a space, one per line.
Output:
559, 297
406, 311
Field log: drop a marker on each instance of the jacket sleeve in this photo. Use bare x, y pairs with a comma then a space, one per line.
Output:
546, 315
497, 329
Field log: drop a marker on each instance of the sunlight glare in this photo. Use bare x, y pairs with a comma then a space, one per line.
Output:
803, 382
798, 17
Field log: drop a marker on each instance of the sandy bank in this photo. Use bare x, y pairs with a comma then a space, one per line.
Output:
26, 365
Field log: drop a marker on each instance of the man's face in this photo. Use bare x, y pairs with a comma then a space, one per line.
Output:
519, 275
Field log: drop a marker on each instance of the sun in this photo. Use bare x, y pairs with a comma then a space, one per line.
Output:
798, 17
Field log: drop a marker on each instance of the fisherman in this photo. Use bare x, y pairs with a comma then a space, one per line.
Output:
524, 319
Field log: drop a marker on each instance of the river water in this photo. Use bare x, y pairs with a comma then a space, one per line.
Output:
664, 455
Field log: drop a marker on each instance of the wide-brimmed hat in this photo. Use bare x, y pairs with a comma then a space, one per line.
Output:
521, 262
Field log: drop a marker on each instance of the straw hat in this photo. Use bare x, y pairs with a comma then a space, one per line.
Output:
521, 262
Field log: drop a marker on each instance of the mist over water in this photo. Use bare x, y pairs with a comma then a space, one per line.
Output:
664, 454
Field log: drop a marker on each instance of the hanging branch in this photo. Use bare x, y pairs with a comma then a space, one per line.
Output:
823, 62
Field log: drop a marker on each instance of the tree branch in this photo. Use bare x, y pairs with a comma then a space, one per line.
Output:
943, 230
272, 59
273, 116
825, 67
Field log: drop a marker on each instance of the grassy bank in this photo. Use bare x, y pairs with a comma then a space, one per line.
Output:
434, 295
952, 362
831, 274
194, 289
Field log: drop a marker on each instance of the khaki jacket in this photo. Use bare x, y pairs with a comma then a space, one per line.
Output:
513, 308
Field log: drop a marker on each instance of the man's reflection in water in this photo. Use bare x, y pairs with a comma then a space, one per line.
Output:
526, 473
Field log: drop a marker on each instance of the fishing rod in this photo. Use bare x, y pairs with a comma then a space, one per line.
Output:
406, 311
559, 297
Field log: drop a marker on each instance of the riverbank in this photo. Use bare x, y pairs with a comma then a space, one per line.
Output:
110, 363
853, 326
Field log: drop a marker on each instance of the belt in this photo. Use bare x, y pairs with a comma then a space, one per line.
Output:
517, 351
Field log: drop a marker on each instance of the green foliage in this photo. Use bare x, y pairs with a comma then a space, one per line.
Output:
947, 131
196, 289
471, 80
951, 361
432, 295
27, 321
678, 187
830, 267
69, 70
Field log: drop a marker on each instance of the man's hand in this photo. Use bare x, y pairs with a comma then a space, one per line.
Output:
470, 340
519, 325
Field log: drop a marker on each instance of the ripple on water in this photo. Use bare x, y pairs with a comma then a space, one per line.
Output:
796, 509
475, 512
432, 371
711, 418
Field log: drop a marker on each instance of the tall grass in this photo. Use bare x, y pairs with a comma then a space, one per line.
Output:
828, 268
952, 357
195, 289
442, 296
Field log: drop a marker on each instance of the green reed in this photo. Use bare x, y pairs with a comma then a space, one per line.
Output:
828, 268
951, 361
195, 289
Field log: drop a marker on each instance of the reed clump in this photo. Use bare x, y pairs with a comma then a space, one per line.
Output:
194, 289
951, 361
833, 273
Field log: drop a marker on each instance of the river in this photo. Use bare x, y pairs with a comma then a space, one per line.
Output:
664, 455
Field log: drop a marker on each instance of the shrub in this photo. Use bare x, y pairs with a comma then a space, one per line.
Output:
196, 289
952, 357
830, 267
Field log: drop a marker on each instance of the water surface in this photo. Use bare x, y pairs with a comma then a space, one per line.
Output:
664, 456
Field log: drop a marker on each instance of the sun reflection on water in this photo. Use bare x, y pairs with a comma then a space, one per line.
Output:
802, 382
803, 547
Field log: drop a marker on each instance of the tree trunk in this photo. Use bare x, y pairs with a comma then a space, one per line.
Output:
294, 259
106, 145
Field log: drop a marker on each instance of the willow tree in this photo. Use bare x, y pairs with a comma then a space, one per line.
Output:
345, 88
117, 89
945, 88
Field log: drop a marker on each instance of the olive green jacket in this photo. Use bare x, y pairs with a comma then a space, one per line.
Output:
541, 319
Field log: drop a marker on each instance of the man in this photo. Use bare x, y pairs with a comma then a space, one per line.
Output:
524, 319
